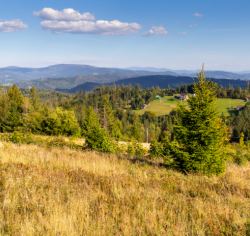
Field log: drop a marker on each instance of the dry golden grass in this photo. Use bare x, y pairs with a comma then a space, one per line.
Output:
56, 191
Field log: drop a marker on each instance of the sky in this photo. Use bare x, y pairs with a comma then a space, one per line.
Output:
173, 34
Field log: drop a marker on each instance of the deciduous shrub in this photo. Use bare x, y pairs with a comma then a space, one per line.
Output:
19, 137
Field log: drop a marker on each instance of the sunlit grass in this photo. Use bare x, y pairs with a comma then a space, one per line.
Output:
60, 191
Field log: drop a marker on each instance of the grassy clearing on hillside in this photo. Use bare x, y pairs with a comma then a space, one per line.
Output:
60, 191
166, 104
223, 105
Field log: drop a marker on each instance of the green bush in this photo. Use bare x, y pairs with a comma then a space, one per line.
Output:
242, 155
157, 149
131, 150
19, 137
61, 122
99, 140
136, 149
161, 150
139, 150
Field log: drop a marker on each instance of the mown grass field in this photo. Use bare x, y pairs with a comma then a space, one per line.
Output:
166, 104
61, 191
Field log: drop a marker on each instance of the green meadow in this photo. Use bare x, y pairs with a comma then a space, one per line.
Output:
166, 104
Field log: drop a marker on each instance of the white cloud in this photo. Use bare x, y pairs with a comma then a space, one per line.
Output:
198, 14
11, 25
71, 21
157, 30
67, 14
104, 27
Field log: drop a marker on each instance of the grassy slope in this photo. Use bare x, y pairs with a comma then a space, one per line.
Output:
65, 192
168, 103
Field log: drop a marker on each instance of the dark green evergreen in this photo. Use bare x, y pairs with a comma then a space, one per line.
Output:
200, 135
96, 137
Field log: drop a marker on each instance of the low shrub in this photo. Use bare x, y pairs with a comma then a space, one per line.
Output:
157, 149
242, 156
98, 140
131, 150
136, 149
139, 150
20, 138
161, 150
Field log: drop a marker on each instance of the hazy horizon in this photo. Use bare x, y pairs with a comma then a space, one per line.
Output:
146, 68
179, 35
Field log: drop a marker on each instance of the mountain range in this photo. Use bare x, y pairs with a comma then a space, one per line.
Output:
150, 81
73, 76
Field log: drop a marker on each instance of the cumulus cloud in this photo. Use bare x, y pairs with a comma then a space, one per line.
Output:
71, 21
11, 25
68, 14
198, 14
104, 27
157, 30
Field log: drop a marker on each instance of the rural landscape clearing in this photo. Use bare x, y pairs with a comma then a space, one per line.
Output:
125, 118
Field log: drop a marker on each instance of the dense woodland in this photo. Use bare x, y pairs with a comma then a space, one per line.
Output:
52, 113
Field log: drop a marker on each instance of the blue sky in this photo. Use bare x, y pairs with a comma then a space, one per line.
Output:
175, 34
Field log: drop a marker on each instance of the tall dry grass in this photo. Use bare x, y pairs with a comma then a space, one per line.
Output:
57, 191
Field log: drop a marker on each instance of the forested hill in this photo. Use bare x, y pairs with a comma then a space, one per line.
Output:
68, 76
161, 81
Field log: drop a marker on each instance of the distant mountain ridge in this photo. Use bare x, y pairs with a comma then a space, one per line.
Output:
162, 81
19, 74
67, 76
217, 74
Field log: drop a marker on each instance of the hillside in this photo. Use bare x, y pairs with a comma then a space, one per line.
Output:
28, 76
218, 74
75, 77
162, 81
166, 104
53, 191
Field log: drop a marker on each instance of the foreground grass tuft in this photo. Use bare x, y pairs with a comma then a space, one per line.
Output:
60, 191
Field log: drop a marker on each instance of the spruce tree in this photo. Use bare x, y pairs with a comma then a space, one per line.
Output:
14, 109
96, 137
200, 134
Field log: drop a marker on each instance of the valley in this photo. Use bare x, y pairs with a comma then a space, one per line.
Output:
124, 118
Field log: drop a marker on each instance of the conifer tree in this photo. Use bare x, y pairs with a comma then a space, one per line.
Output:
15, 101
110, 123
200, 134
34, 99
96, 137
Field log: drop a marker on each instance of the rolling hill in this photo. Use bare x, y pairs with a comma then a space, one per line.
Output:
65, 71
68, 76
217, 74
161, 81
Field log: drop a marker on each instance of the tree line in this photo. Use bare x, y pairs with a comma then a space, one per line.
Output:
52, 113
188, 134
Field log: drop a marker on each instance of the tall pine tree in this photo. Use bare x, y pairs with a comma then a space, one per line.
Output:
200, 134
